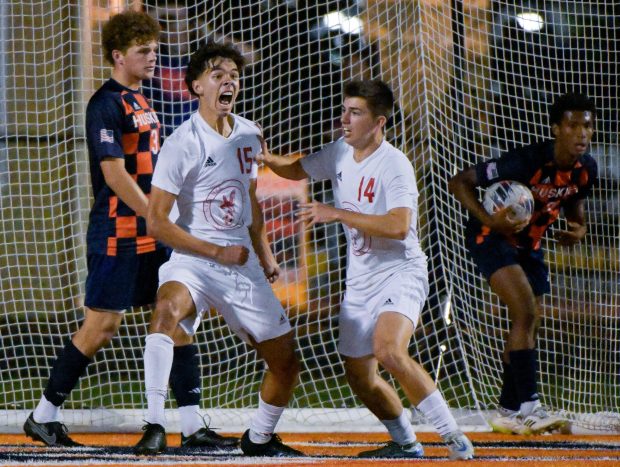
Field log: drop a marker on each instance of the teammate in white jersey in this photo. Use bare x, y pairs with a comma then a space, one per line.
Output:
221, 257
387, 280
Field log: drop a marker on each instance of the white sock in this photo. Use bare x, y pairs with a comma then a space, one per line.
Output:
158, 354
191, 420
400, 429
46, 412
436, 411
264, 422
528, 407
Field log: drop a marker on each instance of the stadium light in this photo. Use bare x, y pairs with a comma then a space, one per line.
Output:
530, 21
337, 20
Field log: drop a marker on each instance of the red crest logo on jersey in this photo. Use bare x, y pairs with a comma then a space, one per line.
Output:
224, 206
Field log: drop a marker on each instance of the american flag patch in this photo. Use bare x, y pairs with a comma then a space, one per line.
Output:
492, 171
106, 136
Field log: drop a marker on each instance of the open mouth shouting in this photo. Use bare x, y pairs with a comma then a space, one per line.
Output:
226, 98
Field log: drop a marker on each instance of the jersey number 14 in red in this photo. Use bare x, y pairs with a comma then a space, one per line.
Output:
369, 191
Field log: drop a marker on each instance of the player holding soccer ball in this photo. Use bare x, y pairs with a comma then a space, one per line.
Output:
560, 174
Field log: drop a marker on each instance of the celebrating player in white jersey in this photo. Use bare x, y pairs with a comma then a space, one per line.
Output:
387, 280
221, 255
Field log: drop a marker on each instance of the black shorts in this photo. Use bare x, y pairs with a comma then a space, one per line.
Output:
495, 252
121, 282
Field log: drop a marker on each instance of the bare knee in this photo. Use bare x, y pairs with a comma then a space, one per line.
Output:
389, 356
166, 316
279, 355
96, 331
527, 316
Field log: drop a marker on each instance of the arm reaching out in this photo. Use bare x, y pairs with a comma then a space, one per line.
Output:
285, 167
394, 224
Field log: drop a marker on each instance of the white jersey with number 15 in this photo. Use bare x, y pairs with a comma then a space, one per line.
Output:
210, 174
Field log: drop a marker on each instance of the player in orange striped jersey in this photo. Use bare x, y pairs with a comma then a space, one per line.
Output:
560, 173
123, 261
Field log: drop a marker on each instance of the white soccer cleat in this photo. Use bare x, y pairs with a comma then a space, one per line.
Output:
539, 421
508, 422
459, 445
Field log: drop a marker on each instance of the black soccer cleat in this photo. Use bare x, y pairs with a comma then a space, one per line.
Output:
209, 439
51, 433
273, 448
153, 440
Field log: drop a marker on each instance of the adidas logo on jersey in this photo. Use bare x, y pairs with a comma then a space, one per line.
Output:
546, 181
388, 302
136, 106
210, 162
339, 176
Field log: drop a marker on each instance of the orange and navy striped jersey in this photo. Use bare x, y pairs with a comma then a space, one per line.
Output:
120, 123
534, 166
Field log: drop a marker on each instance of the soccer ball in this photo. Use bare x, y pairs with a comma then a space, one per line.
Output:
509, 193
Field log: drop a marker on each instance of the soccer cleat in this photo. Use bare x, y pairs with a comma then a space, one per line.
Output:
51, 433
394, 450
459, 445
273, 448
508, 422
207, 438
539, 421
153, 440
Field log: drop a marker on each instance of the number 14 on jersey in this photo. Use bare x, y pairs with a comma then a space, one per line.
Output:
369, 191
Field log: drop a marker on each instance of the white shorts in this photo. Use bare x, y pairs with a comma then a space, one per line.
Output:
241, 294
403, 292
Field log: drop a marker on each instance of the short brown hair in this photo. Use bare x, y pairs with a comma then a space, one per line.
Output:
378, 96
126, 29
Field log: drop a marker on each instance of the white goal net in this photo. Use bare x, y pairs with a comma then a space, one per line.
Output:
473, 79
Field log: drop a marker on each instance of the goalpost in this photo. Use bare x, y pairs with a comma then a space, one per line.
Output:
473, 78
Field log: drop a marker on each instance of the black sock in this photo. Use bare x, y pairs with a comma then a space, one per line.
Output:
185, 376
524, 365
65, 373
508, 398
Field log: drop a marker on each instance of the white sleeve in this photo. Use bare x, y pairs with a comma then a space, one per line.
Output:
254, 170
401, 189
173, 165
321, 164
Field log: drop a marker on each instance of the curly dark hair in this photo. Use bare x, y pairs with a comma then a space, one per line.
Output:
378, 95
567, 102
126, 29
201, 60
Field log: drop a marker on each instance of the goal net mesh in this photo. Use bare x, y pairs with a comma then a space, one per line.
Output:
473, 78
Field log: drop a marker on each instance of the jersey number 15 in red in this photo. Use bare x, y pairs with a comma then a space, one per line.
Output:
245, 162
